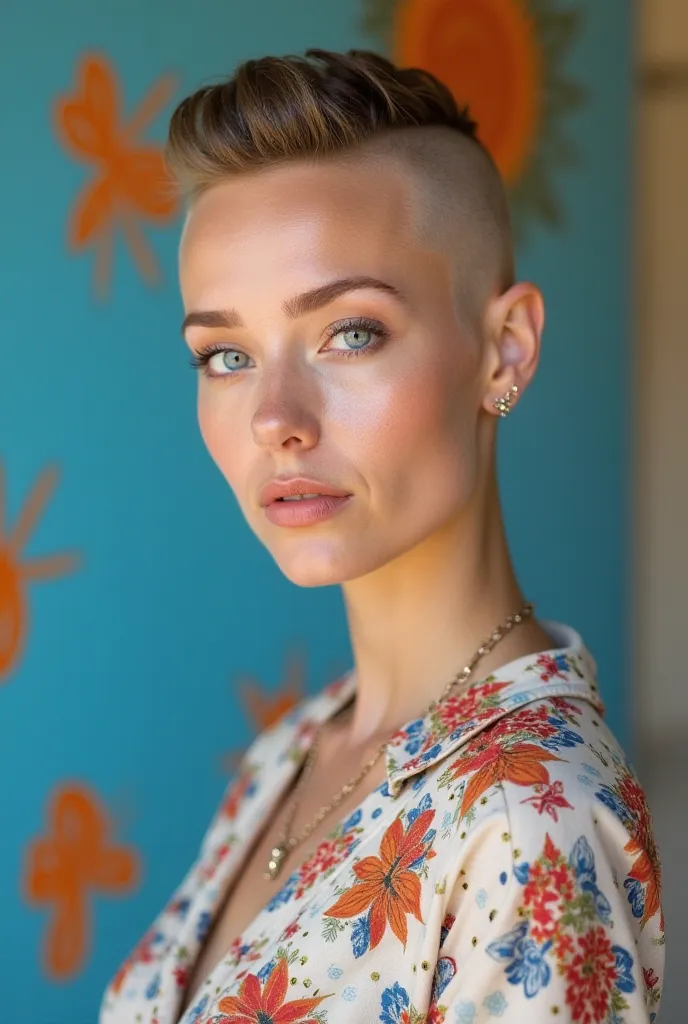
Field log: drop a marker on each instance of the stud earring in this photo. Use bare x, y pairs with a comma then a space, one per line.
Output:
503, 404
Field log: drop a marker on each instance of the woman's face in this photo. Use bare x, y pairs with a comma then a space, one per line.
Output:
330, 351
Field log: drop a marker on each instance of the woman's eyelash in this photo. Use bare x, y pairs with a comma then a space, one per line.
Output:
203, 356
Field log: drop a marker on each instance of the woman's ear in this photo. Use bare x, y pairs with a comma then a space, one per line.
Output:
514, 322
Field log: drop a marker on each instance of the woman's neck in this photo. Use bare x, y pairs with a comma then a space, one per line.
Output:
417, 621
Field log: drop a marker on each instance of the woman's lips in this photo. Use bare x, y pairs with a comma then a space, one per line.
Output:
305, 511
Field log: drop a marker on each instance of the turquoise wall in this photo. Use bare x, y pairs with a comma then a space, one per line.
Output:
127, 681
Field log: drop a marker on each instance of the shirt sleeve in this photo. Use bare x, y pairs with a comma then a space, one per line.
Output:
549, 937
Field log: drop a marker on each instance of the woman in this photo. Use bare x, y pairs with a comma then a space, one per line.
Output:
449, 832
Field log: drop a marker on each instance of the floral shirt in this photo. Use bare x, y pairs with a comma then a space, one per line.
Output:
504, 870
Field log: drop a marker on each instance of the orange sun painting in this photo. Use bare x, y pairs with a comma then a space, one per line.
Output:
503, 59
129, 183
63, 867
16, 572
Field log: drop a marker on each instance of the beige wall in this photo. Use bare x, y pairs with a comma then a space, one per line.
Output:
662, 385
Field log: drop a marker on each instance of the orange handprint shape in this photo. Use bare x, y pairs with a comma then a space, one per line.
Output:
130, 183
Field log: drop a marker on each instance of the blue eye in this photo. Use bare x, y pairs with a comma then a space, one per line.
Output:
356, 337
229, 360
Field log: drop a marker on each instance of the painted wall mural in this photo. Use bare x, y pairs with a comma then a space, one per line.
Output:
504, 58
166, 639
74, 858
128, 184
17, 571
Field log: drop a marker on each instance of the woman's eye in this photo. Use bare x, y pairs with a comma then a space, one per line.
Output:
228, 361
353, 338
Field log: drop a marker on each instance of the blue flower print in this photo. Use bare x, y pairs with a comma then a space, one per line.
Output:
563, 737
203, 925
526, 960
414, 732
352, 821
395, 1001
465, 1013
285, 893
432, 752
495, 1004
608, 797
582, 861
424, 805
444, 972
153, 988
360, 935
266, 970
636, 896
199, 1008
624, 968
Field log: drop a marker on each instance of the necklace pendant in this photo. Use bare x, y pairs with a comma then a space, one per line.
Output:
277, 855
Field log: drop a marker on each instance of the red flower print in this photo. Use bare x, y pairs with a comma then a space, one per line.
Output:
141, 954
550, 668
491, 761
550, 883
646, 867
548, 798
181, 976
457, 710
267, 1006
386, 885
329, 853
208, 870
237, 792
650, 977
591, 976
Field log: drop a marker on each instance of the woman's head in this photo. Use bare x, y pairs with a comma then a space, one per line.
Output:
347, 274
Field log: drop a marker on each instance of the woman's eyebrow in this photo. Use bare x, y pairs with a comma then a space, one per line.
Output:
306, 302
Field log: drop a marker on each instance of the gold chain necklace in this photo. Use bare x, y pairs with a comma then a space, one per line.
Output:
287, 842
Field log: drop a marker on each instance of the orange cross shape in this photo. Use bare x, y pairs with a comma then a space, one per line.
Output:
74, 857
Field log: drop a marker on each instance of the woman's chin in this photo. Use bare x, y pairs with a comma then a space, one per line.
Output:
320, 565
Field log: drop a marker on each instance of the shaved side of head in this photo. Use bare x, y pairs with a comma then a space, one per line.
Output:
459, 206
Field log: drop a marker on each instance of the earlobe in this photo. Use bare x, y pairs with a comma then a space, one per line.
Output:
518, 320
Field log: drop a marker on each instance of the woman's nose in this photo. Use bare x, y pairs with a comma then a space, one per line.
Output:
286, 416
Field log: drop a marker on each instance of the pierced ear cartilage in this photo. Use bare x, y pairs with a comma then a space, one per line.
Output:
503, 404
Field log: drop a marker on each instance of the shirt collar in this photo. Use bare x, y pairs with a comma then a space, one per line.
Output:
567, 670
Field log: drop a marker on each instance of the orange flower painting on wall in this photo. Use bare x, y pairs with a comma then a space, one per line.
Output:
503, 59
128, 184
62, 868
265, 707
16, 572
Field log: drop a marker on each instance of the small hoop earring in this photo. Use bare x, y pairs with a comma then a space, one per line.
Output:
503, 404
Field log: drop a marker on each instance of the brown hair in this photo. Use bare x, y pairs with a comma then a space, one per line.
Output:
278, 109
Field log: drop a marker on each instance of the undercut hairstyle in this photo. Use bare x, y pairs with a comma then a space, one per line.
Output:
327, 106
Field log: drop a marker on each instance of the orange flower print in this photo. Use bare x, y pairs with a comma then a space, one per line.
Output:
267, 1006
129, 182
74, 857
14, 574
492, 762
388, 887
